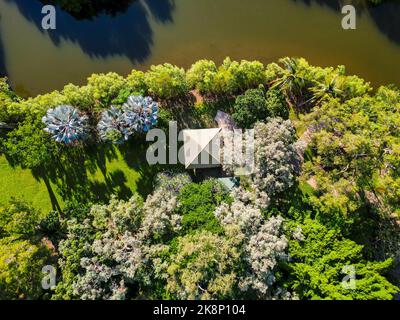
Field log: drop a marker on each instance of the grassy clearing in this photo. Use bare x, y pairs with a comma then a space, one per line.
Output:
122, 171
20, 183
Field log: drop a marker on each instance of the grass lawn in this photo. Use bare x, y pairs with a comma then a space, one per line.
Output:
120, 170
20, 183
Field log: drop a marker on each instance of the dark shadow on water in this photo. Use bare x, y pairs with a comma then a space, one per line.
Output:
385, 15
119, 28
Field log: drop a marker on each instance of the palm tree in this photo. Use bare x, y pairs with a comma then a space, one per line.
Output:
291, 82
329, 88
140, 113
112, 126
65, 124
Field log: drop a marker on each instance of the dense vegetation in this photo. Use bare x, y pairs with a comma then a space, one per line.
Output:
323, 198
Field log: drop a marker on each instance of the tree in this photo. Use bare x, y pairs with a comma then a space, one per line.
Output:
319, 256
108, 253
106, 87
21, 264
262, 243
65, 124
199, 75
19, 219
23, 254
203, 267
250, 108
29, 145
140, 113
351, 142
196, 205
277, 159
7, 96
166, 81
111, 126
291, 80
161, 220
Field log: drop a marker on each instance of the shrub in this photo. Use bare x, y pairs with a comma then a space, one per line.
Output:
276, 104
29, 145
225, 81
35, 107
250, 108
18, 219
106, 87
21, 264
137, 115
6, 97
199, 75
251, 74
81, 97
197, 203
166, 81
135, 85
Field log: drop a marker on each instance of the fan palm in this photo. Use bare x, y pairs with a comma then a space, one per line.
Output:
65, 124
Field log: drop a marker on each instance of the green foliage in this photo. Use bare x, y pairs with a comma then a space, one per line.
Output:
79, 97
203, 267
352, 142
21, 264
103, 241
71, 251
276, 104
197, 203
166, 81
200, 74
231, 77
105, 87
18, 219
195, 240
250, 108
135, 85
36, 106
22, 253
6, 97
318, 259
29, 145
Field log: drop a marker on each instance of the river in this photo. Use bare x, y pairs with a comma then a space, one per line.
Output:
149, 32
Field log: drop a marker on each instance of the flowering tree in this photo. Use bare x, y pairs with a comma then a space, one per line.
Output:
263, 246
160, 218
65, 124
277, 160
101, 253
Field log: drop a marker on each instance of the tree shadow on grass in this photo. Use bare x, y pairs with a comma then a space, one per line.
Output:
72, 175
134, 154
